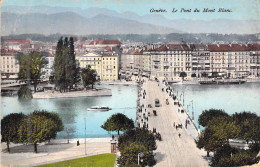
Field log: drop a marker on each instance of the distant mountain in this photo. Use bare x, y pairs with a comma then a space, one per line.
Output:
71, 23
224, 26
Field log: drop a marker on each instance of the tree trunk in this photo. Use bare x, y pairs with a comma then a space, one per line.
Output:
35, 147
207, 154
35, 86
8, 148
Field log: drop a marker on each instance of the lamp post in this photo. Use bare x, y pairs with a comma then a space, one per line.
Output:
140, 155
192, 111
85, 137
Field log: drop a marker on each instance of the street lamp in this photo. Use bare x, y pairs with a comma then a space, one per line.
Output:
85, 137
192, 111
140, 155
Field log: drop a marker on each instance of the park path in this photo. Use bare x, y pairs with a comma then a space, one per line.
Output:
172, 150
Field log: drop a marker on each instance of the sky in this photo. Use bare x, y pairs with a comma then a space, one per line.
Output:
241, 9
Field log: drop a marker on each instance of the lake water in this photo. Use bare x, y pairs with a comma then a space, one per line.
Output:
231, 98
73, 111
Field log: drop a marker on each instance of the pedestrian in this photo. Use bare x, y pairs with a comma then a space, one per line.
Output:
179, 135
173, 124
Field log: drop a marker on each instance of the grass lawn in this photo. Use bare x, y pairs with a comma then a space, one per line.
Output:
102, 160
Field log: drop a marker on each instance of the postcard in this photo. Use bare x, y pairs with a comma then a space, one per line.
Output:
130, 83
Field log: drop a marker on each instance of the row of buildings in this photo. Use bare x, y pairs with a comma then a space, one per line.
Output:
102, 55
164, 61
196, 60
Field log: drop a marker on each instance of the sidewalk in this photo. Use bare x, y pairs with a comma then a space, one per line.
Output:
57, 150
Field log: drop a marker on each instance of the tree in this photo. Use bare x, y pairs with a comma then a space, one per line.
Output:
143, 136
129, 155
25, 92
135, 141
249, 124
9, 128
118, 122
66, 70
207, 115
217, 133
193, 75
204, 74
36, 128
89, 76
183, 75
55, 118
31, 68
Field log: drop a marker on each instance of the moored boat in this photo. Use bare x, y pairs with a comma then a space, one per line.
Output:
98, 108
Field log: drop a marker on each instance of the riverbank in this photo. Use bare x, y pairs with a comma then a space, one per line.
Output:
84, 93
119, 82
196, 81
57, 150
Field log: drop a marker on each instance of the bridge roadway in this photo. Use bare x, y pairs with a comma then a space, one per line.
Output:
172, 151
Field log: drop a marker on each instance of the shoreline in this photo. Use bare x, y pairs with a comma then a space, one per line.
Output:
84, 93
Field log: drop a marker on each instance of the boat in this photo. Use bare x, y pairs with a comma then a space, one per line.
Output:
221, 82
98, 108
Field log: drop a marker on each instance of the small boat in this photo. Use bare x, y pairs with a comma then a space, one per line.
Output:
98, 108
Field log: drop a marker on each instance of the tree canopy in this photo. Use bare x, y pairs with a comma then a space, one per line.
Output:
249, 124
24, 92
9, 128
207, 115
136, 141
183, 75
89, 76
39, 127
31, 68
66, 70
220, 128
118, 122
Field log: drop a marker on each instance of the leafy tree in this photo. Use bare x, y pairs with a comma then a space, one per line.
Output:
31, 68
204, 74
66, 70
9, 128
129, 155
219, 130
25, 92
193, 75
73, 69
207, 115
143, 136
55, 118
249, 124
36, 128
118, 122
89, 76
183, 75
59, 65
135, 141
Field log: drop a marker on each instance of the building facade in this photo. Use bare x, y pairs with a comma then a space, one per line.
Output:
168, 61
9, 64
105, 64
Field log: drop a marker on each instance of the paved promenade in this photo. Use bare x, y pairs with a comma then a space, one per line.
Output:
57, 150
173, 150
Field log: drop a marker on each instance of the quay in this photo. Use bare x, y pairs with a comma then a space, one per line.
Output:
177, 146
